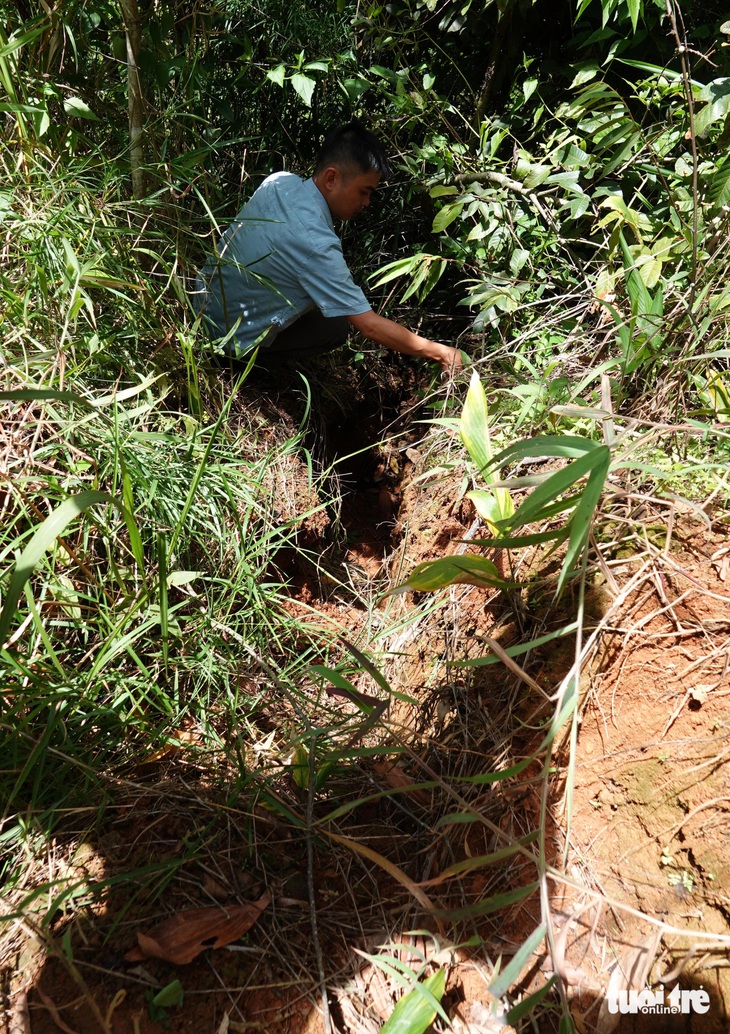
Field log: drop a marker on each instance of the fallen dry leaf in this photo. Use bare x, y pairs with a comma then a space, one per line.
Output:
397, 779
181, 939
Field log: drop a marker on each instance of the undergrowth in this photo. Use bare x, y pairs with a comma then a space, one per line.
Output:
147, 504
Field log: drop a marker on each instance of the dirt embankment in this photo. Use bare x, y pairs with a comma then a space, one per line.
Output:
645, 895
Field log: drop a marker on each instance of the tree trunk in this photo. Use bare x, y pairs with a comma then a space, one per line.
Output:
133, 32
499, 58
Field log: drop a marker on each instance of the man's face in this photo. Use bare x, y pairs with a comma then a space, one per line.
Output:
347, 193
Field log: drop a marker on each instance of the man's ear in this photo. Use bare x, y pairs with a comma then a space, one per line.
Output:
330, 177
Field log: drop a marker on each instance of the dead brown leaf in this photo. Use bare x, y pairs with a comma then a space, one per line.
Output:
181, 939
397, 779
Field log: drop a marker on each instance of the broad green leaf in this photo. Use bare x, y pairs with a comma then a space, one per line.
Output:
719, 189
447, 215
316, 66
584, 73
528, 87
416, 1011
474, 431
436, 574
354, 88
488, 507
395, 269
556, 485
582, 518
277, 75
563, 445
441, 191
474, 425
717, 97
304, 87
75, 106
650, 270
511, 972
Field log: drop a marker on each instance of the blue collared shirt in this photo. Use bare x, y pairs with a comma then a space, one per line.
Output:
279, 258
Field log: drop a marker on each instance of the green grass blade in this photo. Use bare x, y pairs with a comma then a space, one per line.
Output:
511, 972
53, 526
528, 1004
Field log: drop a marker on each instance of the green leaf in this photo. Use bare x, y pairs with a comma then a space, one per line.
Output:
277, 75
584, 72
717, 97
441, 191
556, 485
583, 514
719, 189
488, 507
447, 215
46, 534
354, 88
392, 270
511, 972
474, 425
75, 106
304, 87
474, 431
416, 1011
528, 1004
436, 574
170, 995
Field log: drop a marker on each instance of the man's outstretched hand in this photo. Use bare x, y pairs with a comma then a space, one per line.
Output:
450, 360
397, 337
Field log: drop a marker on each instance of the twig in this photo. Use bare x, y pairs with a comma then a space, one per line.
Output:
673, 11
326, 1018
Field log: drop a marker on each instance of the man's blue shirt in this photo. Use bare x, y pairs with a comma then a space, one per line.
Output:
279, 258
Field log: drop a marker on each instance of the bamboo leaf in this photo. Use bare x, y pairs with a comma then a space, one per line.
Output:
416, 1011
583, 516
436, 574
558, 483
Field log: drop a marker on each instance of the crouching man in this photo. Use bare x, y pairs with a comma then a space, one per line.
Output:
279, 279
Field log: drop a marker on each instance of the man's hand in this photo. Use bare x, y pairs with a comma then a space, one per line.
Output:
450, 360
392, 335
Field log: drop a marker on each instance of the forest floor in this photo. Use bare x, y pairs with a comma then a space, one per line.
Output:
643, 843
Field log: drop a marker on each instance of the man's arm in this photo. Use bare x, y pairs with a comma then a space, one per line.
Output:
392, 335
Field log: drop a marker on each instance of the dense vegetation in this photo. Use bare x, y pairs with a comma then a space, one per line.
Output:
560, 207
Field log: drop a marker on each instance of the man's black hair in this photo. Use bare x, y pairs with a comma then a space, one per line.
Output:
354, 146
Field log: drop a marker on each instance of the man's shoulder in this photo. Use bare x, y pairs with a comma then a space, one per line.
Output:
280, 185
